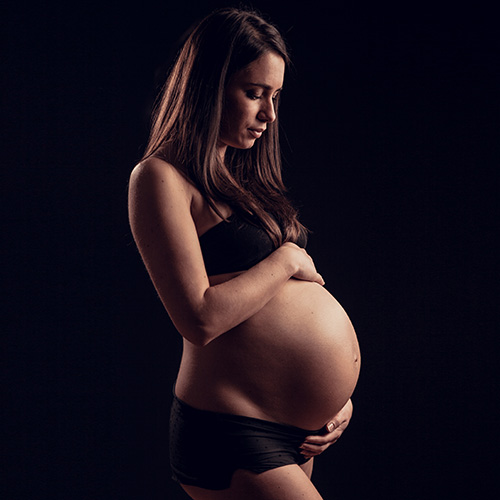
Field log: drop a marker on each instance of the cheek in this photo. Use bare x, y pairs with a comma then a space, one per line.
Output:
237, 112
233, 122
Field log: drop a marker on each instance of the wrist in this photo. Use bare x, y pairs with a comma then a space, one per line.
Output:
286, 257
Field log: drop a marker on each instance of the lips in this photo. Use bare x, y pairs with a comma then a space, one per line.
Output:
256, 132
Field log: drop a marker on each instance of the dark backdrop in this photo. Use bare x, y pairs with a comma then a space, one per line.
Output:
390, 122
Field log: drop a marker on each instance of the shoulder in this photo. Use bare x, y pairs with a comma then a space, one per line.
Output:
155, 176
159, 203
156, 170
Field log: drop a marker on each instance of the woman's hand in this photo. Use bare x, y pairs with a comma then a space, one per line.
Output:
314, 445
304, 265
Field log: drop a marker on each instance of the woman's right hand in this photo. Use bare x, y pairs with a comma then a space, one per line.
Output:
304, 265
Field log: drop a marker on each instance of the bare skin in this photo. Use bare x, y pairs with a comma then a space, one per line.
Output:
270, 342
289, 482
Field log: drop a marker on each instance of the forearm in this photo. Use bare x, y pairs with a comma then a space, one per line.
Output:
226, 305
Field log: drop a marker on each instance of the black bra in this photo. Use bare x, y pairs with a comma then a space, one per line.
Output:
234, 245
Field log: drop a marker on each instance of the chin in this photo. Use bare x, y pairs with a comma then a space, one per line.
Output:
246, 144
243, 144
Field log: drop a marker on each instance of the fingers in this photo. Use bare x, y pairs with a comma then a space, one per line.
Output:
306, 270
325, 439
316, 444
311, 448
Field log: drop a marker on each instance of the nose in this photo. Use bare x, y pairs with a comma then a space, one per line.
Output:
267, 112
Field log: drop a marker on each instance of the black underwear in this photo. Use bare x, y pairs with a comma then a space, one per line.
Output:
206, 447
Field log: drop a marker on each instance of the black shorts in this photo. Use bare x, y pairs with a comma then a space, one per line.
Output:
207, 447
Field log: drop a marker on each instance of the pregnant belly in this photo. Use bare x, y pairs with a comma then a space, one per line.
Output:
297, 360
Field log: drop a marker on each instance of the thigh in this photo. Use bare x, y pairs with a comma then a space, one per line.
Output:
308, 467
289, 482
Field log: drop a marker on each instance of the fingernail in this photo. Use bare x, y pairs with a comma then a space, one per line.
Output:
330, 426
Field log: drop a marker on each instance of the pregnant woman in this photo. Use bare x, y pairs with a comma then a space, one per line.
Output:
270, 358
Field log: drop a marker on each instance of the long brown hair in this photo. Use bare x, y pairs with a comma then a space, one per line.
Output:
187, 121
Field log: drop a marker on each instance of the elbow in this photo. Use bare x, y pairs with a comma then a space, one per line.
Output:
203, 323
201, 333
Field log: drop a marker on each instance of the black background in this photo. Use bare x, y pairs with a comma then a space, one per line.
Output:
390, 137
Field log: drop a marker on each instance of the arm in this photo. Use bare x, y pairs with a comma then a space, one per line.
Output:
165, 233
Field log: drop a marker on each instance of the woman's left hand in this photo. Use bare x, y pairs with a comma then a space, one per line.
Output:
314, 445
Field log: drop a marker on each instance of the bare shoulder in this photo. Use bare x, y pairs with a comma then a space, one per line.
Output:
154, 171
158, 195
155, 182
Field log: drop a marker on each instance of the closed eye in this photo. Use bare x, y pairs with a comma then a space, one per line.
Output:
252, 95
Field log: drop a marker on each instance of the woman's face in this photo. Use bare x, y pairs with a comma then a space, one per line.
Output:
249, 101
